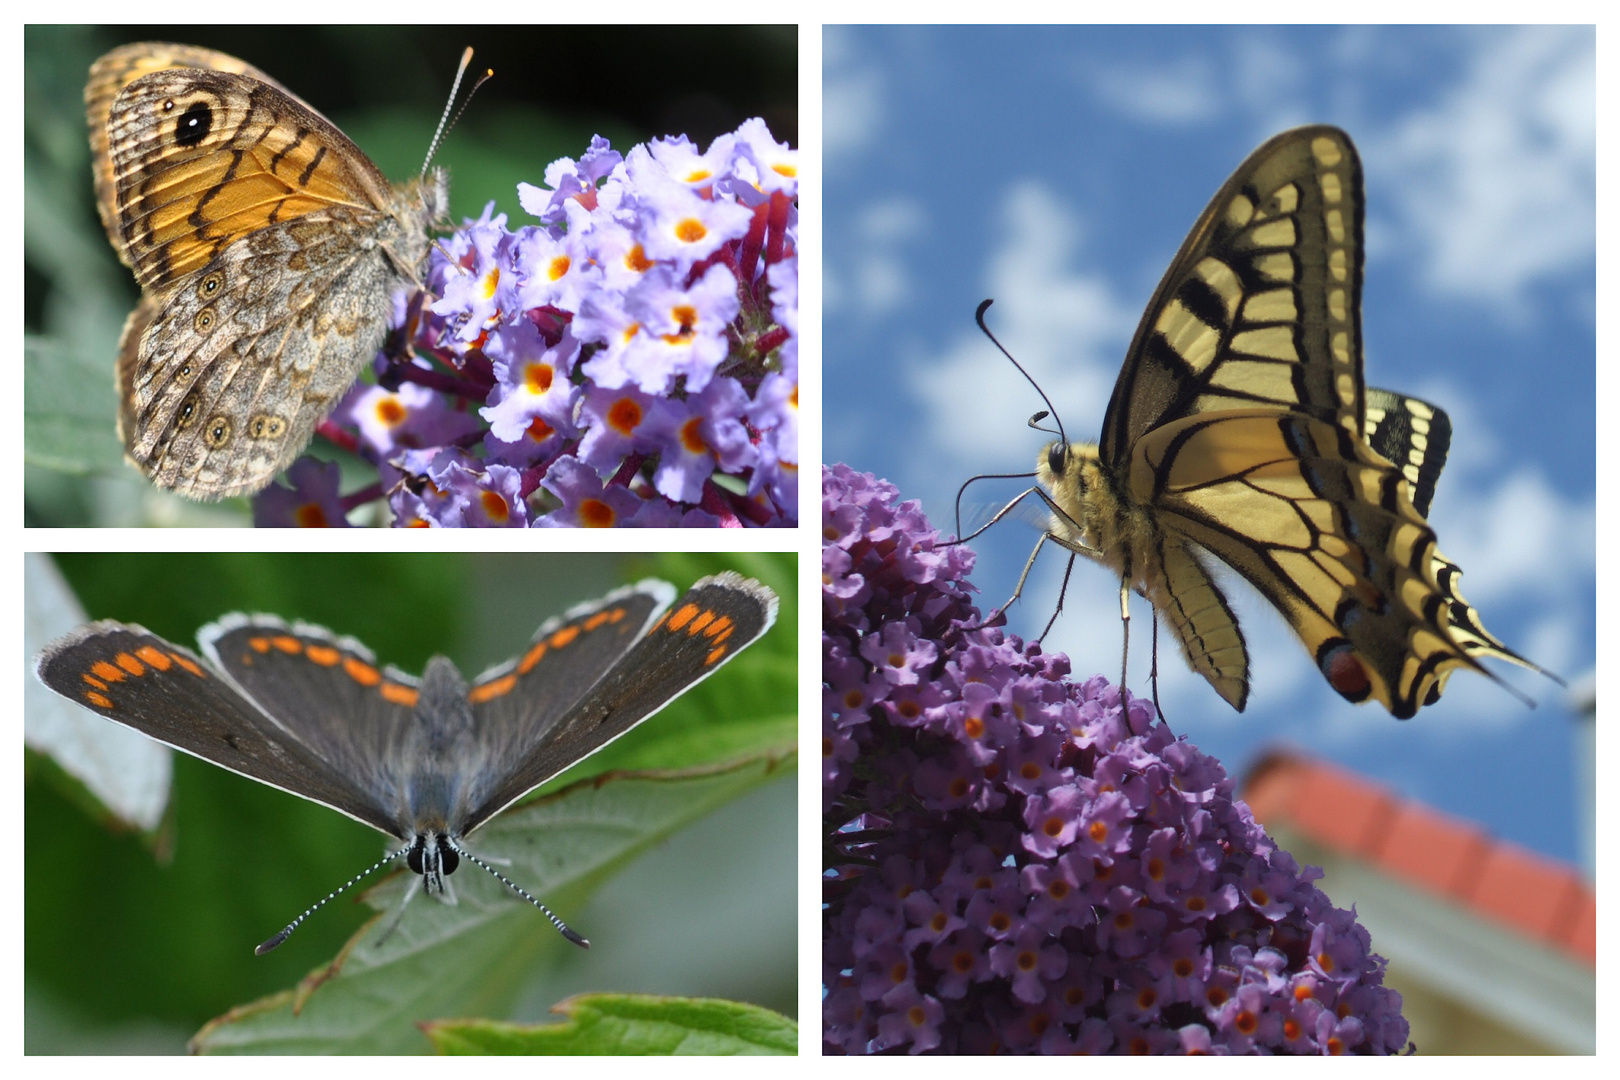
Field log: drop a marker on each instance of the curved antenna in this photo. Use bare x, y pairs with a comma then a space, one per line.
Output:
445, 120
978, 317
1035, 422
286, 931
562, 927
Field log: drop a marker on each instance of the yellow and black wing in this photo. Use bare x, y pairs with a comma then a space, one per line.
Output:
1241, 423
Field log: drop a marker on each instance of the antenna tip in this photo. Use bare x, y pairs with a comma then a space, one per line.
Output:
272, 943
575, 938
983, 307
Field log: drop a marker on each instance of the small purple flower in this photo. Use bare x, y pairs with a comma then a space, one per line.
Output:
912, 1017
312, 502
645, 329
1020, 863
1028, 960
586, 501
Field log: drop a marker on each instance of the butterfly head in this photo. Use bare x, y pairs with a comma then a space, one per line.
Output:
1067, 469
434, 856
1073, 475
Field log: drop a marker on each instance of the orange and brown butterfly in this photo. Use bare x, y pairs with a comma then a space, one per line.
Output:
267, 248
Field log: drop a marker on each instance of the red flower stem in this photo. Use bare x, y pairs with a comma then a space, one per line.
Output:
627, 471
716, 503
338, 436
370, 493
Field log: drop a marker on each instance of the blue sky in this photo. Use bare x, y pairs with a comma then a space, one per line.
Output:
1057, 170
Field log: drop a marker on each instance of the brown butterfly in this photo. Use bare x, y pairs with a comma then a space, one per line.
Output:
267, 247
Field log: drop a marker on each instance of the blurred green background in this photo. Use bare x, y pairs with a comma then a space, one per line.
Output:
127, 953
554, 88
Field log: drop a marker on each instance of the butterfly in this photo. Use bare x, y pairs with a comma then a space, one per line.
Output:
267, 248
426, 760
1241, 426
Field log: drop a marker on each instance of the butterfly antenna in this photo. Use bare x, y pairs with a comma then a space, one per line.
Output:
446, 121
562, 927
978, 317
287, 930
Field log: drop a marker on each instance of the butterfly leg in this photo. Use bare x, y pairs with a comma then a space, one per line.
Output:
982, 529
1062, 592
1074, 547
1018, 591
1125, 625
1153, 670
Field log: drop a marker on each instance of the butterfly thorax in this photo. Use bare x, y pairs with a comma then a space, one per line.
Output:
432, 762
419, 206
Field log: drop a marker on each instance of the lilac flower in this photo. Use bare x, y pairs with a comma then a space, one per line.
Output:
1022, 863
630, 360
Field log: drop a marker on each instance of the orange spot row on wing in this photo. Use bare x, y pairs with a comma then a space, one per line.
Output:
103, 673
327, 656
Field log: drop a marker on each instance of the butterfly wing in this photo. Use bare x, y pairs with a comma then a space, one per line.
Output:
604, 669
1262, 305
226, 374
130, 675
1411, 434
116, 70
1323, 527
1240, 421
329, 693
202, 157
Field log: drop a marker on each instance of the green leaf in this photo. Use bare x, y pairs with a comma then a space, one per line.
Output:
69, 408
629, 1024
476, 957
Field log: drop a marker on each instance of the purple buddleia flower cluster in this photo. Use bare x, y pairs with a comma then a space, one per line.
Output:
632, 360
1019, 864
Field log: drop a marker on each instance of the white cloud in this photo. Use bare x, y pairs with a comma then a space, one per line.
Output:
880, 279
1175, 92
852, 96
1497, 182
1065, 326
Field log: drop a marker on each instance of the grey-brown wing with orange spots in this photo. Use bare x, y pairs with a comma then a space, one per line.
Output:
330, 694
716, 619
131, 676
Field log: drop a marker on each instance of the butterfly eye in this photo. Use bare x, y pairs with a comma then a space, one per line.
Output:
448, 859
1057, 458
